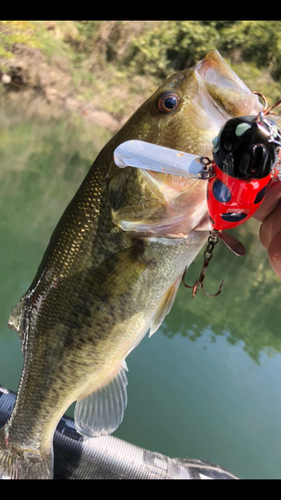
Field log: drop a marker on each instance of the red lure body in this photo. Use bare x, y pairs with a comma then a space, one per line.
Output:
231, 206
245, 155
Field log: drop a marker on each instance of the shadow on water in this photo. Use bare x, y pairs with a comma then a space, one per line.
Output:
247, 309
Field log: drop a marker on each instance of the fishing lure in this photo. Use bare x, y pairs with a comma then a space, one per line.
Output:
245, 160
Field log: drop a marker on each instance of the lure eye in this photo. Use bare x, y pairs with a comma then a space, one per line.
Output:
168, 102
228, 140
228, 146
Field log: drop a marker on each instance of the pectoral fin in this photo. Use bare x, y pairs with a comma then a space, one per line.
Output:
16, 316
164, 307
117, 275
15, 321
102, 412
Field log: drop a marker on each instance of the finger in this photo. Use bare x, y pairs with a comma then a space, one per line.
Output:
272, 197
271, 226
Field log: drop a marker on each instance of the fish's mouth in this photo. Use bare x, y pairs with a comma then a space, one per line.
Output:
215, 70
228, 95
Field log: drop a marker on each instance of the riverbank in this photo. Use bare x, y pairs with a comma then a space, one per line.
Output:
52, 79
104, 70
35, 86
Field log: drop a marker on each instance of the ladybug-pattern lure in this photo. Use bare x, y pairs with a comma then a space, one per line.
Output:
245, 155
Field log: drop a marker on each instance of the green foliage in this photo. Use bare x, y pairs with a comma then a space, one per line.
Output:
173, 46
87, 32
12, 32
258, 42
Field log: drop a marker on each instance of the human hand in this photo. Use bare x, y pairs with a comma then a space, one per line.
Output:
269, 213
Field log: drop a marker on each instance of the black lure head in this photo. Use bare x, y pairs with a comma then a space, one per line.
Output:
247, 147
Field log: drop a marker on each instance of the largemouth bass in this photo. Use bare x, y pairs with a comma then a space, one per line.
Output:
112, 269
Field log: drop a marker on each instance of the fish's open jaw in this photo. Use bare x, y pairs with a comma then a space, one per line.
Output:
225, 87
215, 70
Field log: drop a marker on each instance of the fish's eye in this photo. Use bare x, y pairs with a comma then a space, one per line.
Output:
168, 102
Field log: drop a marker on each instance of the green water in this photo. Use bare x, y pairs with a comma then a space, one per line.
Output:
207, 384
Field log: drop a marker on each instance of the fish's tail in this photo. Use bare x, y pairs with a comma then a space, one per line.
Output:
18, 463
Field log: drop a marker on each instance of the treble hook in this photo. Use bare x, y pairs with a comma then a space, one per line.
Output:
267, 110
263, 98
208, 254
276, 105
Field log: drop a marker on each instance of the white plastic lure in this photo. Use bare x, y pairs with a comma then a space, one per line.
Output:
149, 156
